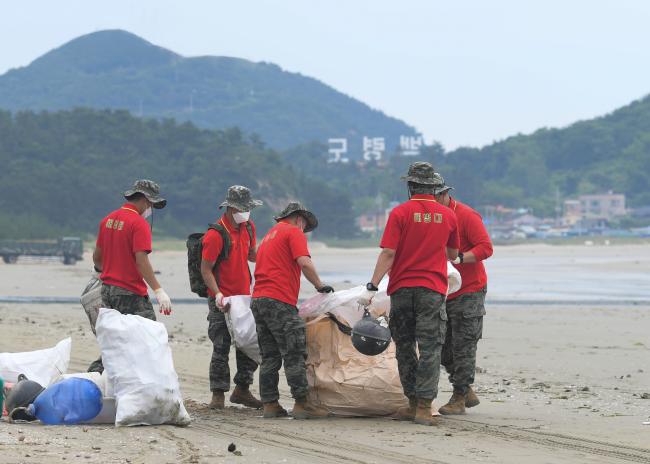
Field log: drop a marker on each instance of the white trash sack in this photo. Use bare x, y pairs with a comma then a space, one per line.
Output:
454, 279
343, 304
138, 361
241, 325
42, 366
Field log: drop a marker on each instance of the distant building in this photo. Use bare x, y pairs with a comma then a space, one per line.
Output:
374, 223
594, 209
526, 220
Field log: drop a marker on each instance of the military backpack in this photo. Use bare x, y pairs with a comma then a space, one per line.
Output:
194, 245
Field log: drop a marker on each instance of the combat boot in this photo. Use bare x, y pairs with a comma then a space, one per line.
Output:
243, 396
471, 399
407, 413
304, 410
273, 410
423, 414
455, 406
217, 400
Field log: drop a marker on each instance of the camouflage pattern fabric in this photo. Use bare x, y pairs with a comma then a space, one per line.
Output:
150, 190
219, 366
421, 172
239, 197
464, 330
295, 207
439, 185
125, 302
281, 336
418, 316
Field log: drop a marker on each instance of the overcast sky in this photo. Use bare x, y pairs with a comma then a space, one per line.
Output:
462, 72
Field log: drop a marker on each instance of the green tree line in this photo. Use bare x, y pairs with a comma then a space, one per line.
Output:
61, 172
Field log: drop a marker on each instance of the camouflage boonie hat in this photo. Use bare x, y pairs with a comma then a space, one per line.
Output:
439, 187
150, 190
295, 207
239, 197
420, 172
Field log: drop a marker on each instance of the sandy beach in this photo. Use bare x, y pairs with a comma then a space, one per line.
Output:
559, 383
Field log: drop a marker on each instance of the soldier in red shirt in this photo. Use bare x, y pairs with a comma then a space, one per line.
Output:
466, 307
122, 257
420, 236
228, 276
281, 257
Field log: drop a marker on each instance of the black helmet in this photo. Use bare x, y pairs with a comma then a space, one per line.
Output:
369, 337
21, 395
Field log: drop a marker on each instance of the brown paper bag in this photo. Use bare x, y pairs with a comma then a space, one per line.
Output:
347, 382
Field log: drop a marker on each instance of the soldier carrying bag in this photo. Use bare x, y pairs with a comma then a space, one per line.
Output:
194, 245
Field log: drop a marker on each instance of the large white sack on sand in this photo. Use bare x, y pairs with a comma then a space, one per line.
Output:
42, 366
138, 361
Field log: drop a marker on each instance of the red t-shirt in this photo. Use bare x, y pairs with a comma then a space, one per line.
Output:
475, 238
233, 275
277, 273
121, 234
419, 231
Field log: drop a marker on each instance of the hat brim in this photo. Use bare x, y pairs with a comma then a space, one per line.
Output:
418, 180
312, 221
441, 190
244, 207
157, 201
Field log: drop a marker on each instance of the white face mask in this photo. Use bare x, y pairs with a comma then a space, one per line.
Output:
241, 217
147, 212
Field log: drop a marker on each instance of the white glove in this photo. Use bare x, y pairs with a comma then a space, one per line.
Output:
222, 304
366, 297
164, 303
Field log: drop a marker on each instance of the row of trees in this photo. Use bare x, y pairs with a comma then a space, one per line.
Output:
61, 172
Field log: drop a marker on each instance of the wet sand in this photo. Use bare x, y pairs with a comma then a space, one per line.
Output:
560, 383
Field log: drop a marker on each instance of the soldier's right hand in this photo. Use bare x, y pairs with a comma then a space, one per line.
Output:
367, 295
164, 302
219, 301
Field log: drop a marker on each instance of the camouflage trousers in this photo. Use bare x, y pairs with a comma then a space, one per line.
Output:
464, 330
219, 364
418, 317
281, 336
125, 302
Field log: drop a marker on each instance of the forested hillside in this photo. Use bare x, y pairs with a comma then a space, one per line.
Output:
118, 70
60, 172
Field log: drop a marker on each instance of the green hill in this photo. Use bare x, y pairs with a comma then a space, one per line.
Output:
116, 69
61, 172
611, 152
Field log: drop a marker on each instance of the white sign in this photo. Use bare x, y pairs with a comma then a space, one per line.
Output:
373, 148
337, 148
410, 145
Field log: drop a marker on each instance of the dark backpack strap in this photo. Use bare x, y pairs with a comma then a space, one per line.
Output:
227, 244
347, 330
251, 234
